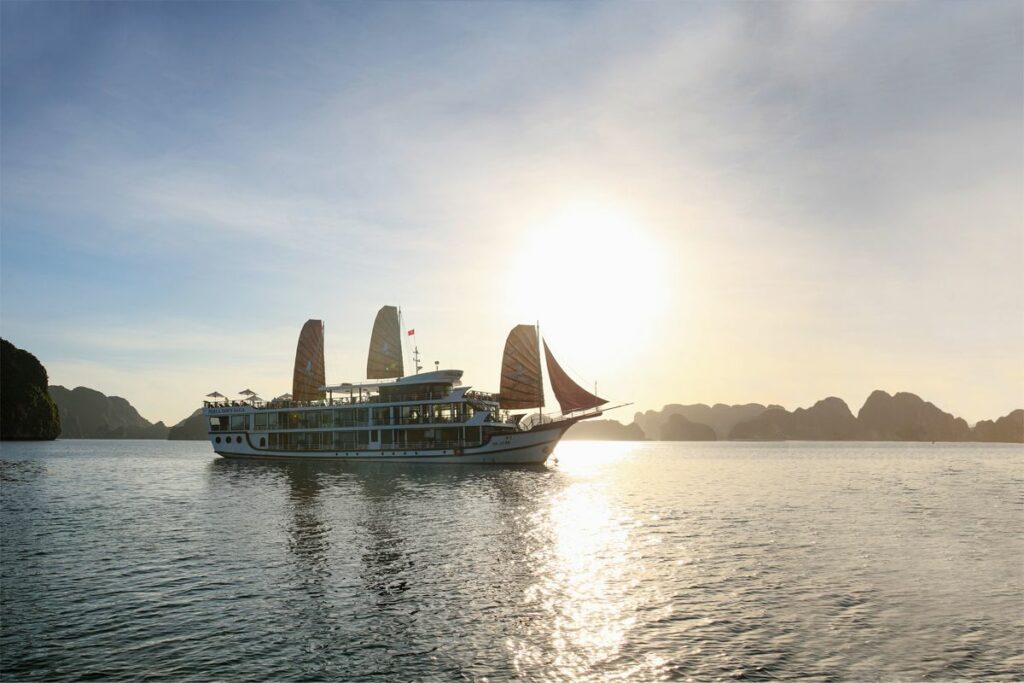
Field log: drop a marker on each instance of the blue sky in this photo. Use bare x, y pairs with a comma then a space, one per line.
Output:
810, 199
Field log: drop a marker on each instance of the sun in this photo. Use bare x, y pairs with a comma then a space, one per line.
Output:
593, 276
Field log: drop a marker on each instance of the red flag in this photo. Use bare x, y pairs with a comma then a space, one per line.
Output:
411, 333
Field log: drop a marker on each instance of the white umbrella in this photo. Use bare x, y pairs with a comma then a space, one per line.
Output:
284, 397
247, 392
216, 394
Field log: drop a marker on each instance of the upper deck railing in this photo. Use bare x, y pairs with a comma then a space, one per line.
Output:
412, 397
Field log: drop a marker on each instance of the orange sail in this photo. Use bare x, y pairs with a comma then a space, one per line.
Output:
385, 358
570, 396
521, 385
309, 363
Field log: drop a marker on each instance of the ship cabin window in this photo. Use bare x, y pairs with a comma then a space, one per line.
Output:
387, 437
218, 423
260, 420
361, 416
326, 418
238, 422
443, 412
361, 438
263, 442
273, 420
381, 416
274, 439
293, 421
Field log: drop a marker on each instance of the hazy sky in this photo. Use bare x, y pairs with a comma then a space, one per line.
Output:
715, 202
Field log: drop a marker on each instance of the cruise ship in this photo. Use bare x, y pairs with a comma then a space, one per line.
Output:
422, 417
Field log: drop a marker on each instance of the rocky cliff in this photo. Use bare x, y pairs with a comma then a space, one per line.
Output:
678, 428
1009, 428
607, 430
906, 417
192, 428
88, 414
720, 417
827, 420
27, 410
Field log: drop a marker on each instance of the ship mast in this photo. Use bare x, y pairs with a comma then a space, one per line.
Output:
540, 379
415, 348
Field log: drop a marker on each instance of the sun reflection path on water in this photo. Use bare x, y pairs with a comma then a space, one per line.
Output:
588, 567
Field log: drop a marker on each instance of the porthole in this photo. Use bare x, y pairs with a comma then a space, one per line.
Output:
238, 439
217, 439
263, 442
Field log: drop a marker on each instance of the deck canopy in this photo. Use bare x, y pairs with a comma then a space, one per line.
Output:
453, 377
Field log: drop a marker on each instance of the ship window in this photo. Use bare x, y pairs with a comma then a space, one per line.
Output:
218, 424
261, 420
293, 421
387, 437
273, 420
217, 439
263, 442
238, 439
238, 422
274, 440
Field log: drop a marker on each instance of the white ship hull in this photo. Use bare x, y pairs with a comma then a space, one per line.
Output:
534, 446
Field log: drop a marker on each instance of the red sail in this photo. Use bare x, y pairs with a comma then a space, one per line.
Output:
570, 396
309, 363
521, 385
385, 357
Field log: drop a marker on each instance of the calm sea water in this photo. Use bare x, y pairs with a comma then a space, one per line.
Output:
132, 559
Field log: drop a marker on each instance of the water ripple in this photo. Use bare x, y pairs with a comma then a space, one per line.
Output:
130, 560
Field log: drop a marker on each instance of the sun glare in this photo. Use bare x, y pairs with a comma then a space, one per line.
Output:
593, 276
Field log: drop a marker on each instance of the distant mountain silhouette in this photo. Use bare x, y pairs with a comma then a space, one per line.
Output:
678, 428
827, 420
88, 414
606, 430
906, 417
27, 411
720, 417
1009, 428
900, 417
192, 428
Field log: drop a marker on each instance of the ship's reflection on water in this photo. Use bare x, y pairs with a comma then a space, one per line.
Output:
483, 571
